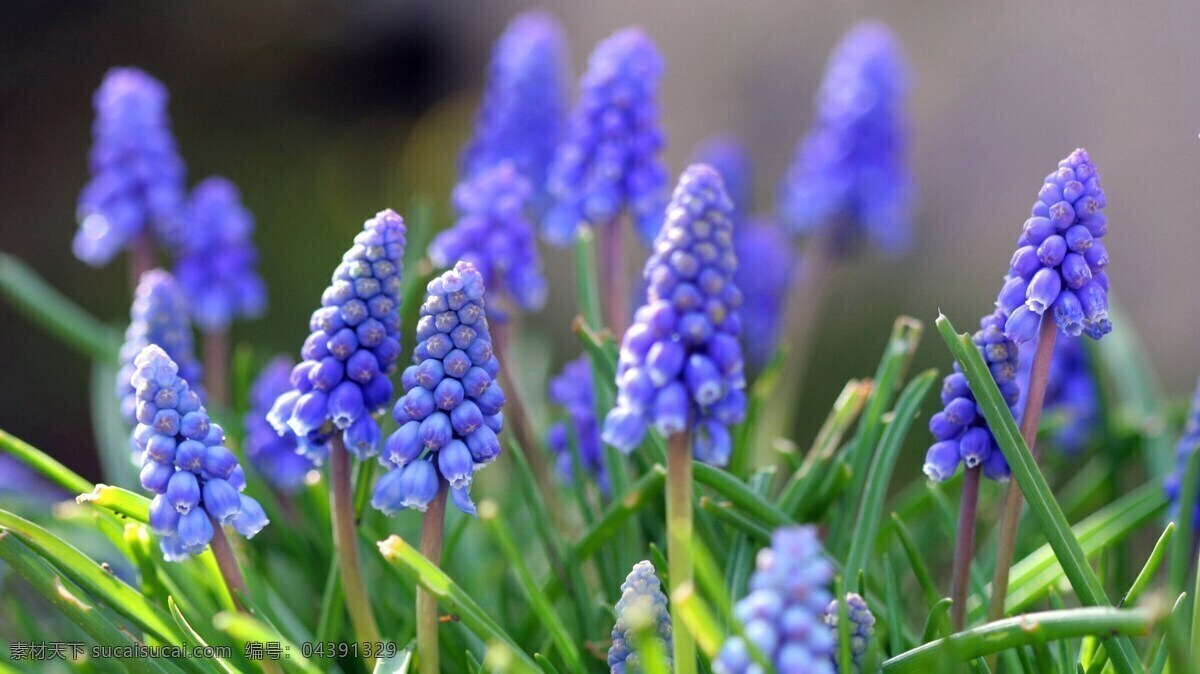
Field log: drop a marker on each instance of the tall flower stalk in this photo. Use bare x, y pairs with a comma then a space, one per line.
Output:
1057, 280
680, 367
343, 382
449, 417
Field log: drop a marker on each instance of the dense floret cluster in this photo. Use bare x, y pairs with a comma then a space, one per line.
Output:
641, 610
572, 390
274, 455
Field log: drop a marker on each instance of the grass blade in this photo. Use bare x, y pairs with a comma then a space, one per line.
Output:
842, 415
192, 638
737, 493
246, 629
58, 315
43, 464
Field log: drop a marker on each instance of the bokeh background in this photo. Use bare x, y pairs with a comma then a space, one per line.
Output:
324, 113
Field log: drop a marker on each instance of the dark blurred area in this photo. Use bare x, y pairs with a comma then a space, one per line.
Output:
324, 113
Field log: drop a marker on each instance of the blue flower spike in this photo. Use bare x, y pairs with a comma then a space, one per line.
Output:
862, 629
451, 410
573, 390
276, 457
641, 610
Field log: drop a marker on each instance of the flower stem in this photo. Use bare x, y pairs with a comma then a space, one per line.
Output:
1034, 399
141, 258
345, 539
432, 525
964, 547
679, 541
227, 563
216, 366
616, 291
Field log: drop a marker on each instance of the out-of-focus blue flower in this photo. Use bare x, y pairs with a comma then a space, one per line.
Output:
196, 480
784, 613
609, 160
862, 629
572, 390
851, 173
276, 457
137, 184
216, 269
158, 316
1060, 261
521, 117
1070, 392
960, 433
450, 413
642, 605
352, 349
764, 282
680, 366
1189, 443
494, 234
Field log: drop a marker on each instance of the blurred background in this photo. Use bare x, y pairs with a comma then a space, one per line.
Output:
324, 113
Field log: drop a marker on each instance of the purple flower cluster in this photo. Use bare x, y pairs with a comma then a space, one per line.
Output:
352, 349
450, 412
1071, 392
609, 160
960, 433
851, 175
137, 184
572, 390
521, 117
862, 630
216, 265
196, 480
784, 613
1060, 261
680, 366
1189, 444
494, 234
642, 604
276, 457
158, 316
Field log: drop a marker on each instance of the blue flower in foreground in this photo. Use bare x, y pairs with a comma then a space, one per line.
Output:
1071, 392
784, 614
680, 366
276, 457
1189, 443
642, 605
960, 433
610, 159
1060, 261
352, 349
494, 233
137, 184
450, 412
158, 316
521, 116
196, 480
862, 629
216, 267
851, 173
572, 390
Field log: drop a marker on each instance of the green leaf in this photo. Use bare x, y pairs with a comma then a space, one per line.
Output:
803, 483
246, 629
880, 475
55, 313
192, 638
1181, 556
43, 464
400, 663
646, 488
937, 622
121, 502
1033, 485
419, 570
110, 431
1022, 631
587, 280
489, 514
742, 456
698, 618
928, 588
736, 491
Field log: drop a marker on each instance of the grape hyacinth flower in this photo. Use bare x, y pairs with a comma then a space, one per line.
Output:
1189, 443
137, 185
1071, 391
960, 433
642, 604
276, 457
783, 615
680, 366
196, 480
851, 174
216, 266
861, 632
1060, 264
158, 316
494, 234
521, 116
609, 160
450, 413
572, 390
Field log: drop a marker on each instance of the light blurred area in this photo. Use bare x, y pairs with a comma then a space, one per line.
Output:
324, 113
